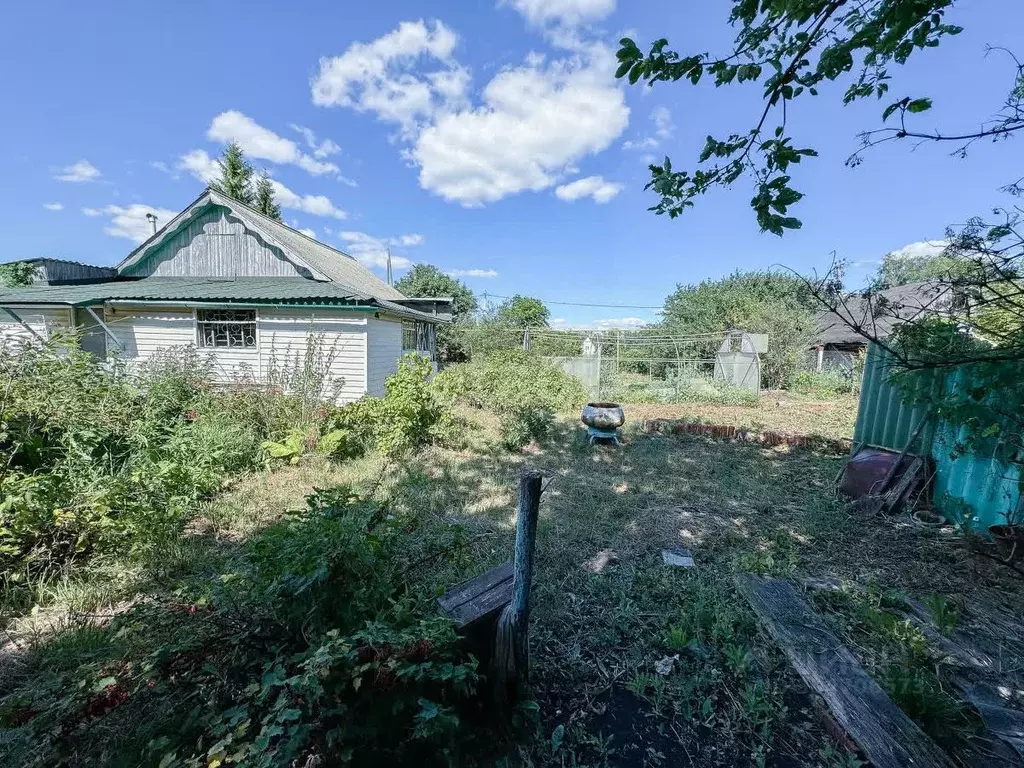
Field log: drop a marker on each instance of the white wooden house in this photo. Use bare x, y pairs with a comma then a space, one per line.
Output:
247, 290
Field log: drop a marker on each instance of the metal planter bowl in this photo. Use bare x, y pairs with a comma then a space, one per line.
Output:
603, 415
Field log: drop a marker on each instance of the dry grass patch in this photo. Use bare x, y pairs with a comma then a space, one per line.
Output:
776, 410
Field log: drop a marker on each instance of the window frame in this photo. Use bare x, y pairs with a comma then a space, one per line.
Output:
200, 323
425, 335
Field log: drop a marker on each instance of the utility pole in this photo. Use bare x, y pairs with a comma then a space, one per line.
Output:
391, 277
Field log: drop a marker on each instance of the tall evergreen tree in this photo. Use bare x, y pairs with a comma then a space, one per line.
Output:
235, 175
265, 202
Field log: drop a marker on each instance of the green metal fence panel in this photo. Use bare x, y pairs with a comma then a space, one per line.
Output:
884, 419
977, 487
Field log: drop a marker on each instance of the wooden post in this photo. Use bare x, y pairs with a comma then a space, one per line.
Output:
511, 641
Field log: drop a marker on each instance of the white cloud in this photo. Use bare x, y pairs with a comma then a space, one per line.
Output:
200, 164
131, 222
322, 149
565, 12
534, 124
647, 142
920, 249
262, 143
592, 186
79, 172
482, 273
620, 322
317, 205
372, 251
664, 128
378, 76
53, 206
407, 240
205, 169
663, 125
308, 232
347, 181
326, 149
557, 321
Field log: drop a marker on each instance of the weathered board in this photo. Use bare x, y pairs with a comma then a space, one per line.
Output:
479, 598
888, 738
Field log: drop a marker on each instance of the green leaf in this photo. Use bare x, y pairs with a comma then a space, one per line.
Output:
919, 105
557, 736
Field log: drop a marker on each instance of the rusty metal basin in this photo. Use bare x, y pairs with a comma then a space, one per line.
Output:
603, 415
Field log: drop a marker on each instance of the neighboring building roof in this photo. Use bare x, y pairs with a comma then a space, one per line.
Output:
879, 312
243, 290
330, 263
53, 271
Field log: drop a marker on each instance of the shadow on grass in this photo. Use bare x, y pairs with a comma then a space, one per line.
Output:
595, 636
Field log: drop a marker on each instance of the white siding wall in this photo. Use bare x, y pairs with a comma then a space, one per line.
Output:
383, 352
285, 334
44, 322
282, 338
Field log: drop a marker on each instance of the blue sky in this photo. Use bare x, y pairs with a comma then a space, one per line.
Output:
484, 138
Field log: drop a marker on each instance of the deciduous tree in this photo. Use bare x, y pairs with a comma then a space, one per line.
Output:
428, 280
792, 49
523, 312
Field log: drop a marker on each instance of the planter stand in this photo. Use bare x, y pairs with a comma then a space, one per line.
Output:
594, 434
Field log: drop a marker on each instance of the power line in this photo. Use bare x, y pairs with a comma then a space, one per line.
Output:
580, 304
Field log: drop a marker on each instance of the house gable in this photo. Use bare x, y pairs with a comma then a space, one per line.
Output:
215, 243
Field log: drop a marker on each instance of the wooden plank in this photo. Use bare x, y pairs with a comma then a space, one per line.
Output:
897, 495
888, 738
477, 598
468, 590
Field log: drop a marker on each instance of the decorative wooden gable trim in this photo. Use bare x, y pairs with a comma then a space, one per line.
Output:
198, 207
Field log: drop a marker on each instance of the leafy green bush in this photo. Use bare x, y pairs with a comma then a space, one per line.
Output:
408, 416
316, 648
628, 388
523, 389
101, 460
824, 384
511, 379
519, 426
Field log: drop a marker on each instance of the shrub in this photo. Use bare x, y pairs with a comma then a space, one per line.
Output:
511, 379
408, 416
825, 384
521, 425
685, 388
315, 649
102, 460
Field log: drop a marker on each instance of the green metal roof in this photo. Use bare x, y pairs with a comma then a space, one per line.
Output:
242, 290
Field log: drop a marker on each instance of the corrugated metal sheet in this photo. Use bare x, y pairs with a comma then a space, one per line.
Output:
976, 483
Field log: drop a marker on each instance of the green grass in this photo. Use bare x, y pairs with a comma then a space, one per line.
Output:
595, 637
